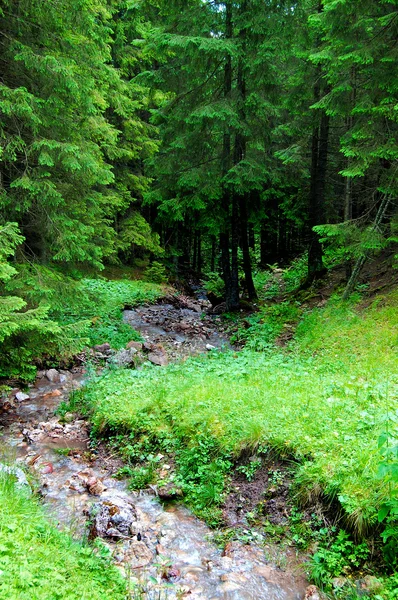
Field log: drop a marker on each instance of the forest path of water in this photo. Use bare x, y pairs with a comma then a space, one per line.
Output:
167, 549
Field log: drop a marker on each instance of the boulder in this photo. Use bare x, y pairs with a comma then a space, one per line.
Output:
158, 359
52, 375
103, 348
169, 492
136, 345
114, 513
138, 554
125, 358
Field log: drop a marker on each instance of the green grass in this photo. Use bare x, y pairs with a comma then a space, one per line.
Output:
38, 562
101, 302
324, 402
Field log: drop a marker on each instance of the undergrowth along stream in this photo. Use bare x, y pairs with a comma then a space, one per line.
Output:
325, 401
38, 561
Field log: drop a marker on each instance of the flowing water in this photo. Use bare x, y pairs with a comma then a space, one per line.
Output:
166, 550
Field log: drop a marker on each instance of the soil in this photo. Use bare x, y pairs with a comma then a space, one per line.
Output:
268, 492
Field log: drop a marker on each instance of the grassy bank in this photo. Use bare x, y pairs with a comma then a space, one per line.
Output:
38, 562
325, 401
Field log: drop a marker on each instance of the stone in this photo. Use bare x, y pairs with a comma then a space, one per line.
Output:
125, 358
102, 347
20, 396
311, 593
158, 359
114, 511
138, 554
136, 345
52, 375
229, 586
68, 417
52, 394
210, 347
96, 488
47, 468
169, 492
369, 585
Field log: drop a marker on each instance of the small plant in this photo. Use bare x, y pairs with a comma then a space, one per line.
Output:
338, 558
275, 478
214, 285
156, 273
250, 469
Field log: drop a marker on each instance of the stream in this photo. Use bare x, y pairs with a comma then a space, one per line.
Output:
162, 548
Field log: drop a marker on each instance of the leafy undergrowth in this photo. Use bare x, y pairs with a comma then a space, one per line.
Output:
72, 314
327, 401
38, 561
101, 302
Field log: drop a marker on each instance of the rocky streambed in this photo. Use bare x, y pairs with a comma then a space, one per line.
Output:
162, 549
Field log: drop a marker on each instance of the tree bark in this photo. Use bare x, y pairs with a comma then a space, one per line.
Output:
320, 143
247, 268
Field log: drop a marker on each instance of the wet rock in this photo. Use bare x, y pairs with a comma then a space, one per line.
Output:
229, 586
21, 397
138, 554
47, 468
312, 593
68, 417
220, 308
52, 375
160, 550
115, 511
103, 348
95, 487
20, 476
125, 358
368, 585
169, 491
65, 377
136, 345
52, 394
158, 359
172, 573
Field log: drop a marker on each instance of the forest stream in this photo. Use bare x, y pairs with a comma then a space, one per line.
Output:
163, 547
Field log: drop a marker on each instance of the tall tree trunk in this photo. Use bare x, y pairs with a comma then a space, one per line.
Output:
195, 250
199, 252
282, 238
213, 254
319, 158
233, 292
230, 223
252, 239
247, 268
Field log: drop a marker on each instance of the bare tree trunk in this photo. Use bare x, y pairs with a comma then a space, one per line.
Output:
213, 254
